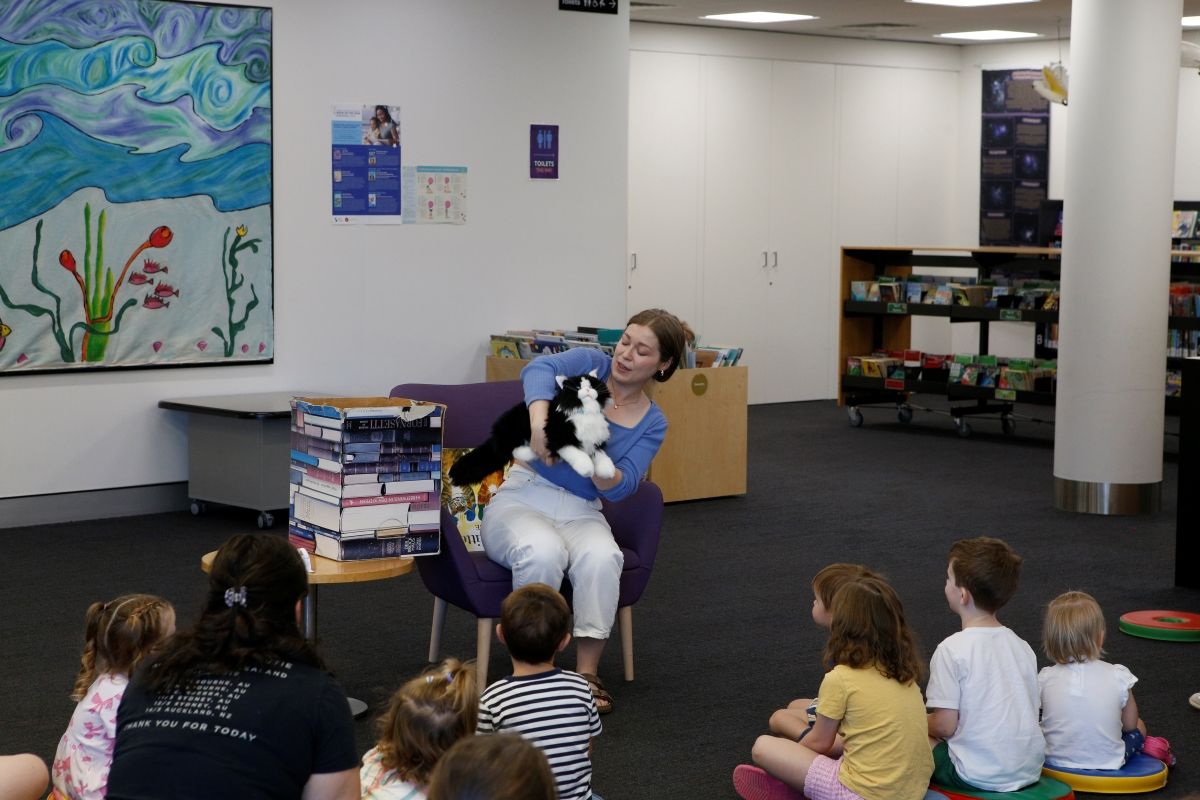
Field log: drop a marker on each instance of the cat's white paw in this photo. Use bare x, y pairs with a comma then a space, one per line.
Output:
579, 460
604, 465
524, 453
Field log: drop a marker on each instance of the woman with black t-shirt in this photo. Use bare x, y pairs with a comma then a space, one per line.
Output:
240, 705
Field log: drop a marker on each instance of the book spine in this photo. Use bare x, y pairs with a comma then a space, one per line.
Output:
316, 420
319, 474
412, 498
391, 547
418, 475
329, 488
321, 463
390, 423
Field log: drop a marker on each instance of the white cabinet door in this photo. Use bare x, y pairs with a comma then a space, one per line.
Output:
737, 183
666, 173
801, 319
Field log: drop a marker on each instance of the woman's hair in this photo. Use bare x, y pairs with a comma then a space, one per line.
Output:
249, 617
387, 114
1073, 629
498, 766
831, 578
118, 634
673, 334
426, 716
869, 629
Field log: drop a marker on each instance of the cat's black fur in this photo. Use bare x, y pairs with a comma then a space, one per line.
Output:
575, 422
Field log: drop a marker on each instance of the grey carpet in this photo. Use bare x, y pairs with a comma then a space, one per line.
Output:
723, 634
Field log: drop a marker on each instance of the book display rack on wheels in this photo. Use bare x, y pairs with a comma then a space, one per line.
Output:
881, 325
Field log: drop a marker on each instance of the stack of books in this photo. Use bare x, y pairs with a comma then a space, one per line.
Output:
365, 477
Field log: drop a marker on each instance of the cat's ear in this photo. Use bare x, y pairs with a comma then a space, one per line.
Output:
559, 379
594, 375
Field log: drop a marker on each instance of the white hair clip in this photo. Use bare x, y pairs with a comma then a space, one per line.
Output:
235, 596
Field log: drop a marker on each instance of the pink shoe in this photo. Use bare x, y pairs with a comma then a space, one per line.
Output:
752, 783
1160, 748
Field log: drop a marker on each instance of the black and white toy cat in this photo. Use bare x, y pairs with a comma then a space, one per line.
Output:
576, 430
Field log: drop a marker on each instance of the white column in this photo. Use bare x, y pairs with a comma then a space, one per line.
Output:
1124, 75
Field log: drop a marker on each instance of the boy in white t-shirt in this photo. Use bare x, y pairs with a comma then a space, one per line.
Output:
983, 689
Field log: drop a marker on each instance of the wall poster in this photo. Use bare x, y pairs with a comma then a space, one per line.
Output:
1014, 165
135, 185
365, 164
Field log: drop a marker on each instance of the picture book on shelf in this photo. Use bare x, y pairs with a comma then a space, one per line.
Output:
1183, 223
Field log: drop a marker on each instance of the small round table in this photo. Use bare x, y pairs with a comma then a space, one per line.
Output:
326, 570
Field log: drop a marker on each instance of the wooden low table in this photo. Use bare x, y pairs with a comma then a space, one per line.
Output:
326, 570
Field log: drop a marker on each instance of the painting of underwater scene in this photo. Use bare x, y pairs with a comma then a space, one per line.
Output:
135, 185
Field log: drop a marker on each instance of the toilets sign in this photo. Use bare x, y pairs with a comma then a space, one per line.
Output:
543, 152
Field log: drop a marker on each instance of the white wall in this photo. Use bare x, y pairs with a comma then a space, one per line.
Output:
359, 309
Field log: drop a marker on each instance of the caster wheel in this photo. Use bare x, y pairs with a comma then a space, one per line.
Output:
265, 519
904, 414
197, 508
1008, 425
964, 427
856, 417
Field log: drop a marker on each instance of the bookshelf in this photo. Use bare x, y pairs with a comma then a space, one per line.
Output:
870, 326
704, 454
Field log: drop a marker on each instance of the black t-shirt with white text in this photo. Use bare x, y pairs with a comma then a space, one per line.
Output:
260, 732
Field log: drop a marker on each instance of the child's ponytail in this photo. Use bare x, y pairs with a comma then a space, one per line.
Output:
87, 661
426, 716
119, 634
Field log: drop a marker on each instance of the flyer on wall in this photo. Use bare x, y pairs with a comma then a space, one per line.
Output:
435, 195
365, 165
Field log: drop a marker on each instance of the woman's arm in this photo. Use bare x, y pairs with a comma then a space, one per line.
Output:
634, 463
332, 786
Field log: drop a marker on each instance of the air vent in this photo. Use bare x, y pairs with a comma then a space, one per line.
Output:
653, 6
877, 27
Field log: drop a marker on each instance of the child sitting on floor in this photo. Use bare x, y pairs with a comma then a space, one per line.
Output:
425, 717
1089, 717
797, 719
118, 635
551, 707
871, 697
982, 692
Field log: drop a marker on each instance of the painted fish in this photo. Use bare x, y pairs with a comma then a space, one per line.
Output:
137, 279
151, 266
153, 302
165, 290
4, 332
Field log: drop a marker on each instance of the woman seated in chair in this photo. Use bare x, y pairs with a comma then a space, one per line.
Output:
240, 705
545, 522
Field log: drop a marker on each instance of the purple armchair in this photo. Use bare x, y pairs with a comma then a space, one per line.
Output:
475, 583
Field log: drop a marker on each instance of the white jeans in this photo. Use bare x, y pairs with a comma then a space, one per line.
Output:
542, 532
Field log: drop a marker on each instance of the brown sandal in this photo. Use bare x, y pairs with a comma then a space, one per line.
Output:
604, 700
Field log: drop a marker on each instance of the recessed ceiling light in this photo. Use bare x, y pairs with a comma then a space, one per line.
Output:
1191, 22
970, 3
987, 36
759, 17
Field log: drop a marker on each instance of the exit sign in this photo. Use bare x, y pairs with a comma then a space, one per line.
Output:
593, 6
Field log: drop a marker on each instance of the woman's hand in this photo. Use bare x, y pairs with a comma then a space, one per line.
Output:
539, 410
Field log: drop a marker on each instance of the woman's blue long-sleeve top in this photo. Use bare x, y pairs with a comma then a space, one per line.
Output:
631, 449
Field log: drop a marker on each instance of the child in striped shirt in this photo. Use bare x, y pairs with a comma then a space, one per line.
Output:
551, 707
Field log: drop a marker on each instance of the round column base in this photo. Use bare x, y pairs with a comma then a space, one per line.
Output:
1116, 499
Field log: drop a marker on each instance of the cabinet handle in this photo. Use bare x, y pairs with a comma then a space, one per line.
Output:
775, 259
764, 252
633, 259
